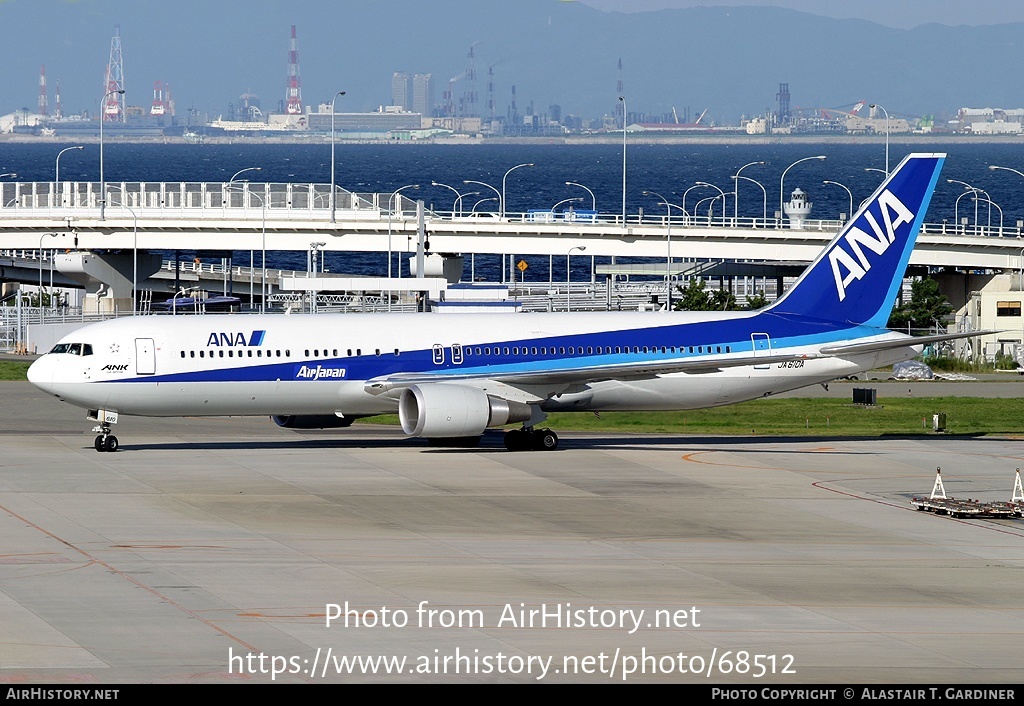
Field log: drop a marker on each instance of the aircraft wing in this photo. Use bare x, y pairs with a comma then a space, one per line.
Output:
889, 343
582, 374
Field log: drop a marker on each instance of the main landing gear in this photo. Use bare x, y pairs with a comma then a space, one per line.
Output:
530, 439
105, 441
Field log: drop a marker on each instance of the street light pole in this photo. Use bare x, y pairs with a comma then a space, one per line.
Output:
572, 200
782, 181
593, 199
333, 111
764, 196
41, 274
437, 183
668, 246
736, 190
135, 252
568, 278
240, 171
875, 105
503, 185
624, 121
836, 183
56, 174
103, 183
391, 209
722, 193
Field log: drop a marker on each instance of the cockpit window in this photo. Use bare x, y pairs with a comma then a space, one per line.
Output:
73, 348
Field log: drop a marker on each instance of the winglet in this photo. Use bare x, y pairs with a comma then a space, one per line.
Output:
856, 278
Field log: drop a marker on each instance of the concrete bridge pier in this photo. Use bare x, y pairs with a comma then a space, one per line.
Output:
107, 277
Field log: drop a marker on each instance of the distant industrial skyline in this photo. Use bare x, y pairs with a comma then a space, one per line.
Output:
727, 60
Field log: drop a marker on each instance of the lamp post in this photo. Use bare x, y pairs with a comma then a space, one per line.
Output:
437, 183
764, 196
498, 193
458, 201
736, 189
593, 199
241, 171
333, 111
572, 200
722, 193
492, 198
991, 203
8, 174
968, 189
568, 273
56, 173
503, 185
41, 274
135, 252
668, 246
875, 105
782, 181
836, 183
103, 183
263, 277
686, 215
624, 121
313, 249
251, 250
391, 209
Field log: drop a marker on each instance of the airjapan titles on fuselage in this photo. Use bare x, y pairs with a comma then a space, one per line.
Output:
319, 372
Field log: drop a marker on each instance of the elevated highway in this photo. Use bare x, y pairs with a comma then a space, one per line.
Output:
289, 217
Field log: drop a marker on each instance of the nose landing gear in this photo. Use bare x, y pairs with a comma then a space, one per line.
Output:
105, 441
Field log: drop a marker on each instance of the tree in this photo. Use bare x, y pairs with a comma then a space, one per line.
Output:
757, 301
694, 297
926, 306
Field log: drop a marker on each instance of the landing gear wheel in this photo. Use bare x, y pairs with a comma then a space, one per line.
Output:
545, 440
100, 444
531, 440
516, 440
110, 444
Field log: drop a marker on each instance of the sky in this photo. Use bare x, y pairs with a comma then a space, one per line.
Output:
903, 14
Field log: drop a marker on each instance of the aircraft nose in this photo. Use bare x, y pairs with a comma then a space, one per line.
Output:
40, 373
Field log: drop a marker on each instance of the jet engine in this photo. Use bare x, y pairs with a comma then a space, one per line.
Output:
446, 410
311, 421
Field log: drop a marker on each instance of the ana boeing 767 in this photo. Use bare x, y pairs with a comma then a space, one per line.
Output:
451, 377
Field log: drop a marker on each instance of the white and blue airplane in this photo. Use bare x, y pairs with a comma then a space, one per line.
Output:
451, 377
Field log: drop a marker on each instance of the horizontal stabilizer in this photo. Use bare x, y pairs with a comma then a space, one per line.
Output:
890, 343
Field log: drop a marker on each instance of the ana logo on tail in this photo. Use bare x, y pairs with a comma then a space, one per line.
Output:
856, 265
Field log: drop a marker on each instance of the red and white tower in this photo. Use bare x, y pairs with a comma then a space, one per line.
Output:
159, 106
113, 91
293, 103
42, 91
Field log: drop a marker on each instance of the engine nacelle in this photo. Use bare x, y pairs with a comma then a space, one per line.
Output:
448, 410
311, 421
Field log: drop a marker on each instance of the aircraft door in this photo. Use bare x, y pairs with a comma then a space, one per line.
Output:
145, 356
762, 347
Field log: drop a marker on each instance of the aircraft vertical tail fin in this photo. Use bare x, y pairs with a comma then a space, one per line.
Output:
857, 277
